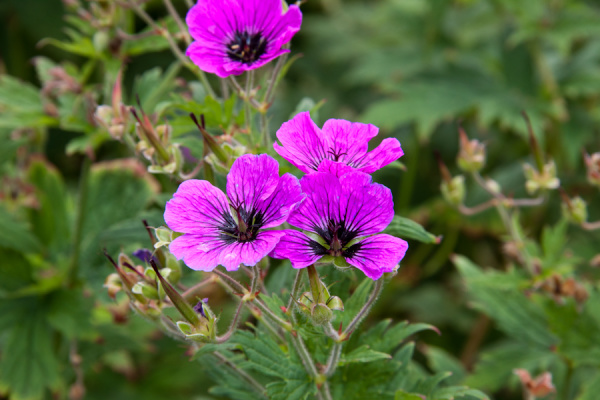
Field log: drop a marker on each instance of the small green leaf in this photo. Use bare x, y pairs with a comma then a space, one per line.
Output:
408, 229
363, 354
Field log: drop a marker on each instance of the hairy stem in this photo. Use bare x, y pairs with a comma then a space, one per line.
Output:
234, 324
178, 21
364, 310
333, 360
295, 290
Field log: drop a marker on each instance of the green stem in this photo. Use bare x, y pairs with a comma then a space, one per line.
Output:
295, 290
364, 310
333, 360
81, 206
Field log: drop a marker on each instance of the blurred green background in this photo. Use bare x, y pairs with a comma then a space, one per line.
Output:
416, 69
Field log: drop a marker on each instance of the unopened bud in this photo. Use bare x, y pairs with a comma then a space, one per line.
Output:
575, 210
541, 180
100, 41
104, 115
454, 190
539, 387
113, 284
145, 289
592, 163
335, 303
321, 314
471, 157
117, 131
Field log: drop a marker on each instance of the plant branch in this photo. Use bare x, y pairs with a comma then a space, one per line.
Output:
178, 21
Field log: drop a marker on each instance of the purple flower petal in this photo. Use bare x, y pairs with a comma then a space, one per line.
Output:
360, 206
388, 151
197, 208
205, 253
349, 140
254, 185
369, 207
306, 146
377, 254
298, 248
302, 143
233, 36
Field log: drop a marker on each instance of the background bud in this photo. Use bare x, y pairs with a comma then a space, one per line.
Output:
592, 164
454, 191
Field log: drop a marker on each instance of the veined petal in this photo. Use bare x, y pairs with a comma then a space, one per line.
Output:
206, 252
322, 204
276, 209
365, 207
197, 207
348, 140
301, 250
377, 254
388, 151
302, 143
334, 167
251, 180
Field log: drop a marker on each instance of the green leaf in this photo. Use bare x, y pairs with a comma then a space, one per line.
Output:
28, 365
154, 86
455, 392
51, 220
69, 312
15, 233
439, 360
363, 354
402, 395
497, 295
408, 229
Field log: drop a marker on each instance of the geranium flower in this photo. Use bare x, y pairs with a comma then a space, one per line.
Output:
233, 36
230, 232
305, 145
341, 218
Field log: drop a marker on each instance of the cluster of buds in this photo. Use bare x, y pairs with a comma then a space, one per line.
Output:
318, 304
537, 387
561, 289
114, 118
592, 163
155, 145
542, 178
471, 156
151, 289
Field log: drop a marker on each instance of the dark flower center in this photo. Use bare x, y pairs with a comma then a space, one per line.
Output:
246, 48
244, 231
338, 237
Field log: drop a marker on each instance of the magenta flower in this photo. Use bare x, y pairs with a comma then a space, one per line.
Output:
233, 36
305, 145
341, 218
218, 231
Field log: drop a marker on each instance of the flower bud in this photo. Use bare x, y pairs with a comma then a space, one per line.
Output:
335, 303
453, 191
113, 284
145, 289
471, 157
575, 209
104, 115
592, 163
539, 387
321, 314
544, 180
